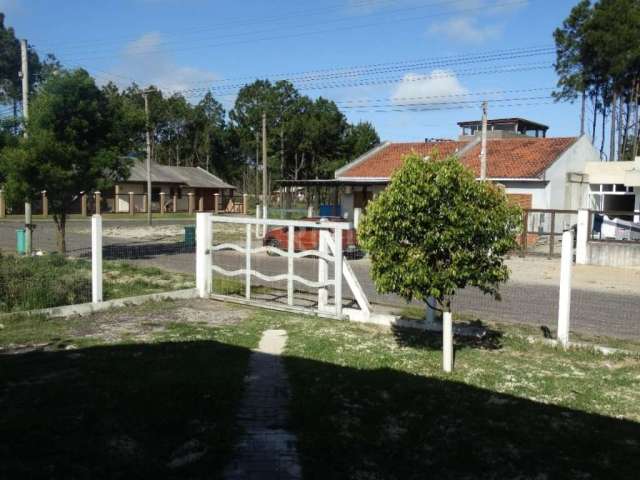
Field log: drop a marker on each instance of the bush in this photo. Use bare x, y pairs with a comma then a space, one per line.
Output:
28, 283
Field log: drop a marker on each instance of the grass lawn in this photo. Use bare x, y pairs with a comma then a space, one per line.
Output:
152, 391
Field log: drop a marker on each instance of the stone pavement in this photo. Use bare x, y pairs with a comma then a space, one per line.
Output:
267, 450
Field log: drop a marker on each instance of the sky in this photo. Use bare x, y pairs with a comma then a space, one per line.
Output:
412, 68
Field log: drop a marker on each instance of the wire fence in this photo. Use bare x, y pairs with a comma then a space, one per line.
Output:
138, 259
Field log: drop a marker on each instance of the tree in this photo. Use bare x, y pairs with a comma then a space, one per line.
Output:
360, 138
436, 229
598, 56
70, 148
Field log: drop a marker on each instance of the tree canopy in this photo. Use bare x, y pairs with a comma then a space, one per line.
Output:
598, 56
73, 145
435, 230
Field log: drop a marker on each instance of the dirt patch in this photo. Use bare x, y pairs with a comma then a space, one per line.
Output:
156, 233
145, 321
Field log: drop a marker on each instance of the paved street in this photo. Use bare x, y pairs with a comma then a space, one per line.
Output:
530, 297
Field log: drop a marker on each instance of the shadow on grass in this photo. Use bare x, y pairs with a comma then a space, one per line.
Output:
137, 251
467, 334
130, 411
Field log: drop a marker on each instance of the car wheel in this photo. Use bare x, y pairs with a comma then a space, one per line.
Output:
272, 242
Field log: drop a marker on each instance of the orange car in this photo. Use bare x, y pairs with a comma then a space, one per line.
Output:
308, 238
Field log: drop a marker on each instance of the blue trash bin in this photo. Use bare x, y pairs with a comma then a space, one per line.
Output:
190, 236
21, 241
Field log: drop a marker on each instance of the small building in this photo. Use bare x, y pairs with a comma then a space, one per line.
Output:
503, 128
537, 172
175, 182
614, 187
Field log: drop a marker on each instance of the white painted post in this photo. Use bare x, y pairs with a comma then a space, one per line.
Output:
265, 215
290, 251
96, 258
258, 213
447, 342
204, 238
582, 238
247, 262
564, 304
337, 288
310, 211
323, 271
356, 217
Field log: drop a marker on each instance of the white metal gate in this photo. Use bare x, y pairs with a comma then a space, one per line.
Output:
329, 252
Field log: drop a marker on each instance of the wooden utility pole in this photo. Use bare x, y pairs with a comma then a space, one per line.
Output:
483, 148
145, 94
265, 178
257, 174
24, 74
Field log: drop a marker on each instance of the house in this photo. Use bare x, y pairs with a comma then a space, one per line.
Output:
174, 183
614, 186
537, 171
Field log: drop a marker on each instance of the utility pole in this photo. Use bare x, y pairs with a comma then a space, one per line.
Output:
257, 175
265, 181
612, 137
146, 93
24, 73
483, 148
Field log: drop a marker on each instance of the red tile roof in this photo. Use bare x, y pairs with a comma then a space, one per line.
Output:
506, 158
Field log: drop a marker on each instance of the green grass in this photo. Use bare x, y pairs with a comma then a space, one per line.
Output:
366, 402
29, 283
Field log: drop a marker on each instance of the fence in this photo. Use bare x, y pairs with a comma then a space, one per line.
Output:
134, 203
543, 229
137, 259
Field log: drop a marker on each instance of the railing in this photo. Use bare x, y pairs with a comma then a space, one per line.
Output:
543, 230
614, 226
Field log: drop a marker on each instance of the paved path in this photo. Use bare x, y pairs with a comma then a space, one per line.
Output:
267, 450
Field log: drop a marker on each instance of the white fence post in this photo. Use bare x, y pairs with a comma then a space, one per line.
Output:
96, 258
564, 304
247, 263
204, 239
290, 252
337, 288
356, 217
323, 271
582, 238
310, 211
447, 342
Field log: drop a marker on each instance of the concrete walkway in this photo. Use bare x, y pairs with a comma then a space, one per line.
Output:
267, 449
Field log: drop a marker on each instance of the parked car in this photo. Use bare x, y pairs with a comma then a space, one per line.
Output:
308, 238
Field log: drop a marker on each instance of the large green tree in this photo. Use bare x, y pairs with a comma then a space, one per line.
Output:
435, 230
73, 145
598, 56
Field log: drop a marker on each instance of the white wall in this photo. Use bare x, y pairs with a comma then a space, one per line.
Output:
564, 195
537, 190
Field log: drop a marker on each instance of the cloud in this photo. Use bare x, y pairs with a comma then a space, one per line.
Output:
148, 63
466, 30
485, 24
436, 87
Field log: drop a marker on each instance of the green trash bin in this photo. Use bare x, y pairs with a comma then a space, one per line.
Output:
190, 236
21, 241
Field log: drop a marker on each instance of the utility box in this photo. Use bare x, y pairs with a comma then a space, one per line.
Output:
190, 236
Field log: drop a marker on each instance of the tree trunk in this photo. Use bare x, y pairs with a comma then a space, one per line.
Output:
604, 122
595, 120
627, 118
583, 111
61, 241
612, 136
636, 130
619, 152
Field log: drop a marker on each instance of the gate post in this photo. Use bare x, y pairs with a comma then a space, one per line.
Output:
564, 301
204, 238
323, 271
290, 251
582, 237
337, 288
96, 258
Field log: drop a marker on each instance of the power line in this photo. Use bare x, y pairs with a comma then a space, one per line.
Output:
306, 33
